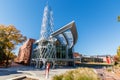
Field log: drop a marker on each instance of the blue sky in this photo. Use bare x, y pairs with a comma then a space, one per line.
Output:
96, 21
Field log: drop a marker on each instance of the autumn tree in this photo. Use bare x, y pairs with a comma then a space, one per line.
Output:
9, 38
118, 18
117, 56
118, 52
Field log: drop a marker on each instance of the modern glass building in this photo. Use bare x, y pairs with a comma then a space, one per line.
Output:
58, 49
55, 47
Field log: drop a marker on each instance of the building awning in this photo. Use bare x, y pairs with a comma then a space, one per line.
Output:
67, 35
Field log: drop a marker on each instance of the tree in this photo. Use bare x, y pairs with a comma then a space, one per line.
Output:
9, 38
118, 52
117, 56
118, 18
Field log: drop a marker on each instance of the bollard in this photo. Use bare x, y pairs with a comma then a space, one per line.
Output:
47, 71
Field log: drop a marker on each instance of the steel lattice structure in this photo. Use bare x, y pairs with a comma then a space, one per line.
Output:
47, 23
46, 48
55, 47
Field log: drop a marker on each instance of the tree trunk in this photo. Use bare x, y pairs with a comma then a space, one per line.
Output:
7, 61
6, 64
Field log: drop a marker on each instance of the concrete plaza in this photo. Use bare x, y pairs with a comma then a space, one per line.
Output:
16, 71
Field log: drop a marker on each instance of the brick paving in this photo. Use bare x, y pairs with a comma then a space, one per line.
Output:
105, 75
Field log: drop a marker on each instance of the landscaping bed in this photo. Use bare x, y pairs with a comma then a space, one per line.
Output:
78, 74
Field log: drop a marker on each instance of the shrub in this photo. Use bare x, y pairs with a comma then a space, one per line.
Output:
57, 77
77, 74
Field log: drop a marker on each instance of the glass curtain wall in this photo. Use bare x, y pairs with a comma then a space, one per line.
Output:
60, 51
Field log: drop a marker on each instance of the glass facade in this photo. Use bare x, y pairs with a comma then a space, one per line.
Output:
61, 51
58, 49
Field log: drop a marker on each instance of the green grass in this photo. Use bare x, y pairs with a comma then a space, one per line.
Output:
77, 74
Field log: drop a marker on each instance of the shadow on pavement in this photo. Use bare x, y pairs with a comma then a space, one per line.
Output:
6, 72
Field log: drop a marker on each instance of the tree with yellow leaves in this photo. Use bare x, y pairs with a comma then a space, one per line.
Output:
118, 52
9, 38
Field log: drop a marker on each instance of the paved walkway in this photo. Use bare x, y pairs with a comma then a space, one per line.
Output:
7, 73
105, 75
18, 70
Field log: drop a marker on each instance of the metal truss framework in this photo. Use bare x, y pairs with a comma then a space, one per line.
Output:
46, 49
